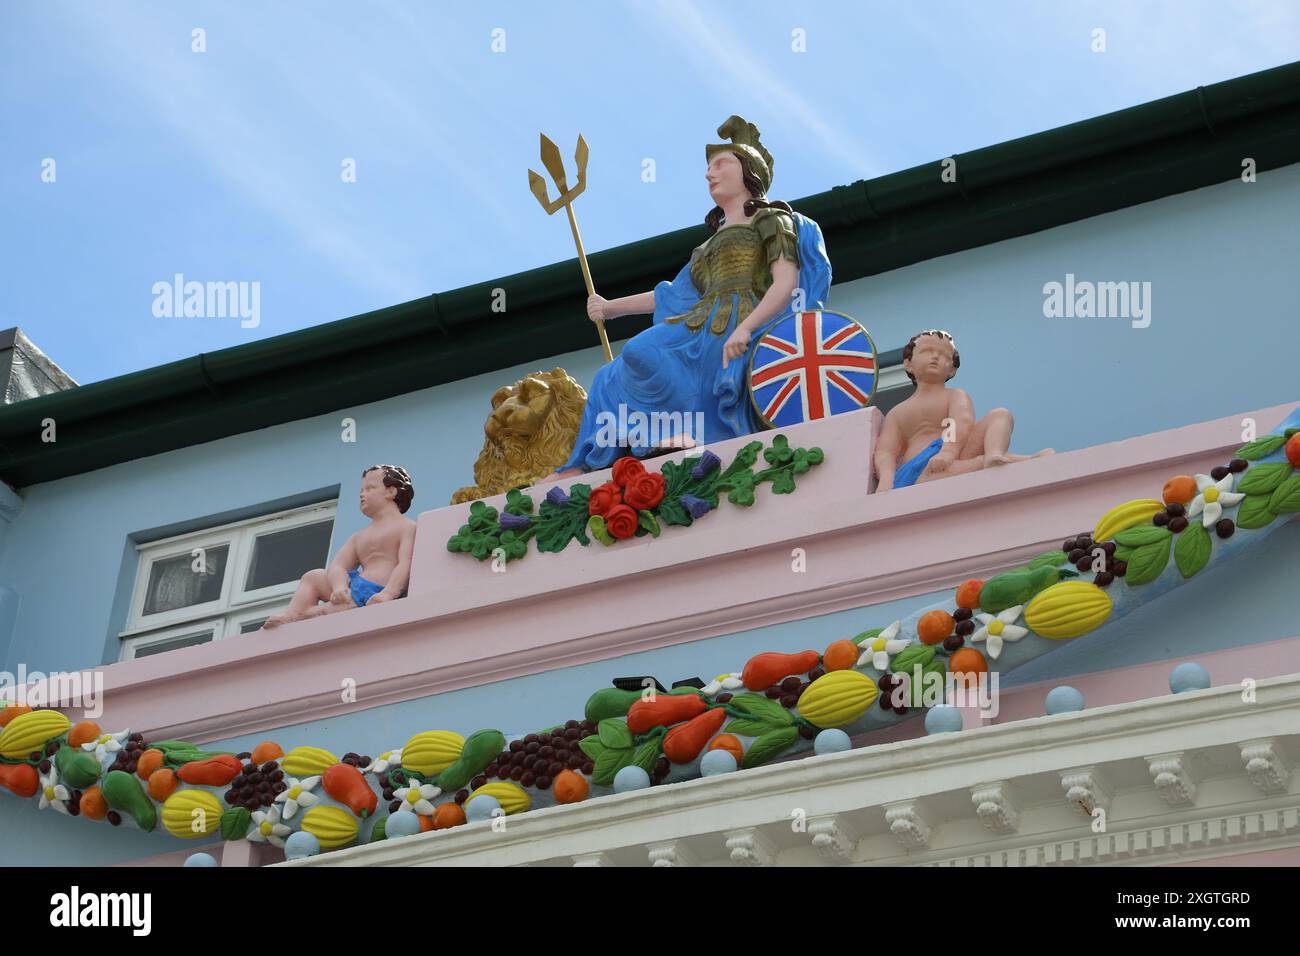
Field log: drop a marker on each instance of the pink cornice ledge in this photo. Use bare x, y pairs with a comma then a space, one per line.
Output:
464, 625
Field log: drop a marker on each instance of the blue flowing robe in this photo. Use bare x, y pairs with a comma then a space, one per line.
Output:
669, 368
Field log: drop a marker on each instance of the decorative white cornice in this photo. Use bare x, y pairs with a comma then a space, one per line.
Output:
996, 806
1177, 839
599, 858
1084, 787
907, 824
833, 838
749, 847
670, 853
1268, 769
1171, 778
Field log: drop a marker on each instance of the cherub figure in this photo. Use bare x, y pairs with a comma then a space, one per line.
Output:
381, 550
914, 432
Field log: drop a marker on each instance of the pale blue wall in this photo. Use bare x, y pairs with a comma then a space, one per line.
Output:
1221, 261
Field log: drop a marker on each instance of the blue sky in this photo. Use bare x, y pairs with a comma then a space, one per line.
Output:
225, 165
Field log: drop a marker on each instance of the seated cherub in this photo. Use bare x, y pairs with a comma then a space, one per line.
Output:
381, 551
934, 434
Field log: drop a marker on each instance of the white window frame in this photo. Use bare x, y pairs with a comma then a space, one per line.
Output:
234, 605
262, 610
133, 644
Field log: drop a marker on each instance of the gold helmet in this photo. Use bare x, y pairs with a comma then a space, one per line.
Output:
744, 138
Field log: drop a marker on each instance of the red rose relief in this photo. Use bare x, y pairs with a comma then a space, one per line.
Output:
604, 498
626, 469
621, 520
645, 491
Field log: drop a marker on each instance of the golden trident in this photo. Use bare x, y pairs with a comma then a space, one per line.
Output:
555, 166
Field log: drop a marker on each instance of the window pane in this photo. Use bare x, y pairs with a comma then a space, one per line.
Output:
174, 582
287, 555
171, 644
248, 627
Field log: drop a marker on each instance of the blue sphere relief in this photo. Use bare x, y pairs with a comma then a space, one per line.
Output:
1188, 676
302, 844
481, 807
631, 778
403, 823
943, 719
200, 859
831, 741
1063, 700
715, 762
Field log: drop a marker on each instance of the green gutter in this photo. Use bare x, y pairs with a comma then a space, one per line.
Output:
1167, 146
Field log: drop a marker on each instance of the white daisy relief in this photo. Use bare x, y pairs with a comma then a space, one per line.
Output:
53, 793
1213, 497
877, 650
387, 759
297, 794
105, 744
1000, 629
267, 827
418, 797
720, 683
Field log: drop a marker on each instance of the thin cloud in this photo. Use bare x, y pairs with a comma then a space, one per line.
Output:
702, 38
257, 154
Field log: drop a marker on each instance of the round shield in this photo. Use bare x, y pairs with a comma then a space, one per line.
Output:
811, 365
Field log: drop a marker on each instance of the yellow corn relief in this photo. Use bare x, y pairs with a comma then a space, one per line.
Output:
333, 828
30, 731
190, 814
513, 799
307, 761
432, 751
838, 698
1068, 609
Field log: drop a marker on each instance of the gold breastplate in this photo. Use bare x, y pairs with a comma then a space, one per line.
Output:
727, 260
723, 269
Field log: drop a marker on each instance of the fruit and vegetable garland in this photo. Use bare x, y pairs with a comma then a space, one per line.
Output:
633, 503
777, 705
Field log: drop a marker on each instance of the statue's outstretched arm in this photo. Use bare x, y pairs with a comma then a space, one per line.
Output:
639, 304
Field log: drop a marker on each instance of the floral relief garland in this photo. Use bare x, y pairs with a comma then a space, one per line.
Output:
778, 704
633, 503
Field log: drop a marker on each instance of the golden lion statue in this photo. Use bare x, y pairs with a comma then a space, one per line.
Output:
529, 434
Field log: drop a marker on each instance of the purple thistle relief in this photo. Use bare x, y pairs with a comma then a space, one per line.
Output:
707, 463
696, 507
558, 497
511, 522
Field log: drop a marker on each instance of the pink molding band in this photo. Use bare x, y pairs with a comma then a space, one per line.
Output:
464, 625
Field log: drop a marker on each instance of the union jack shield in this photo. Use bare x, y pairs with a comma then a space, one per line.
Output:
809, 366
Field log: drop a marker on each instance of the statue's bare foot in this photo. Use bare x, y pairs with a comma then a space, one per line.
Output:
284, 617
557, 475
1006, 459
678, 442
